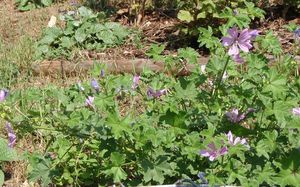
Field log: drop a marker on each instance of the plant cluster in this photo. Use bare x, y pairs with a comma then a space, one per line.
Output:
26, 5
233, 121
83, 30
215, 13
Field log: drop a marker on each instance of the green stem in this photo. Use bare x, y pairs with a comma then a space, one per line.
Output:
221, 76
184, 105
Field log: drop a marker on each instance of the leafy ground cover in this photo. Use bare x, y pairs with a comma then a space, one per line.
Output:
233, 121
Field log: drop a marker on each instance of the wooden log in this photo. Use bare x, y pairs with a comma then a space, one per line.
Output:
134, 66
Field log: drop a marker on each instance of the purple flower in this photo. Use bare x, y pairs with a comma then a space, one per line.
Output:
237, 41
95, 85
3, 95
102, 73
235, 117
296, 111
297, 33
156, 94
234, 141
212, 152
12, 138
136, 80
237, 58
90, 101
201, 176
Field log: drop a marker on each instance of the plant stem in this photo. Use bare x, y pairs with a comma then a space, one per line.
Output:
221, 76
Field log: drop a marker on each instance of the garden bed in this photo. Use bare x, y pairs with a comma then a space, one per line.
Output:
152, 107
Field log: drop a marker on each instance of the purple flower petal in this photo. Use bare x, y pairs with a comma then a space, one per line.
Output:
223, 150
236, 141
235, 116
204, 153
244, 35
239, 41
232, 115
227, 41
233, 32
233, 50
102, 74
212, 157
237, 58
244, 141
156, 94
212, 152
212, 146
3, 95
12, 138
229, 136
296, 111
254, 33
95, 85
136, 80
90, 101
245, 46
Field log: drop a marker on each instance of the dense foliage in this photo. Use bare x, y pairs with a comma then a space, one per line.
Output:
25, 5
83, 30
215, 13
156, 129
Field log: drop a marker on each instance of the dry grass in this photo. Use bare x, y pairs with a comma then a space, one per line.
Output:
15, 24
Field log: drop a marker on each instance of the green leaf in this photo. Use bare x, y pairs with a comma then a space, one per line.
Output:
6, 153
118, 174
117, 159
185, 15
119, 126
281, 110
156, 171
270, 43
39, 169
67, 42
186, 92
84, 12
189, 54
46, 2
80, 35
267, 145
107, 37
201, 15
207, 39
176, 120
289, 174
1, 178
276, 84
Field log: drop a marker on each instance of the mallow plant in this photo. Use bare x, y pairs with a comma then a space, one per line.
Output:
7, 152
234, 121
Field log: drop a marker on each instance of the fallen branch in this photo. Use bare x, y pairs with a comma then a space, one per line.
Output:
135, 66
